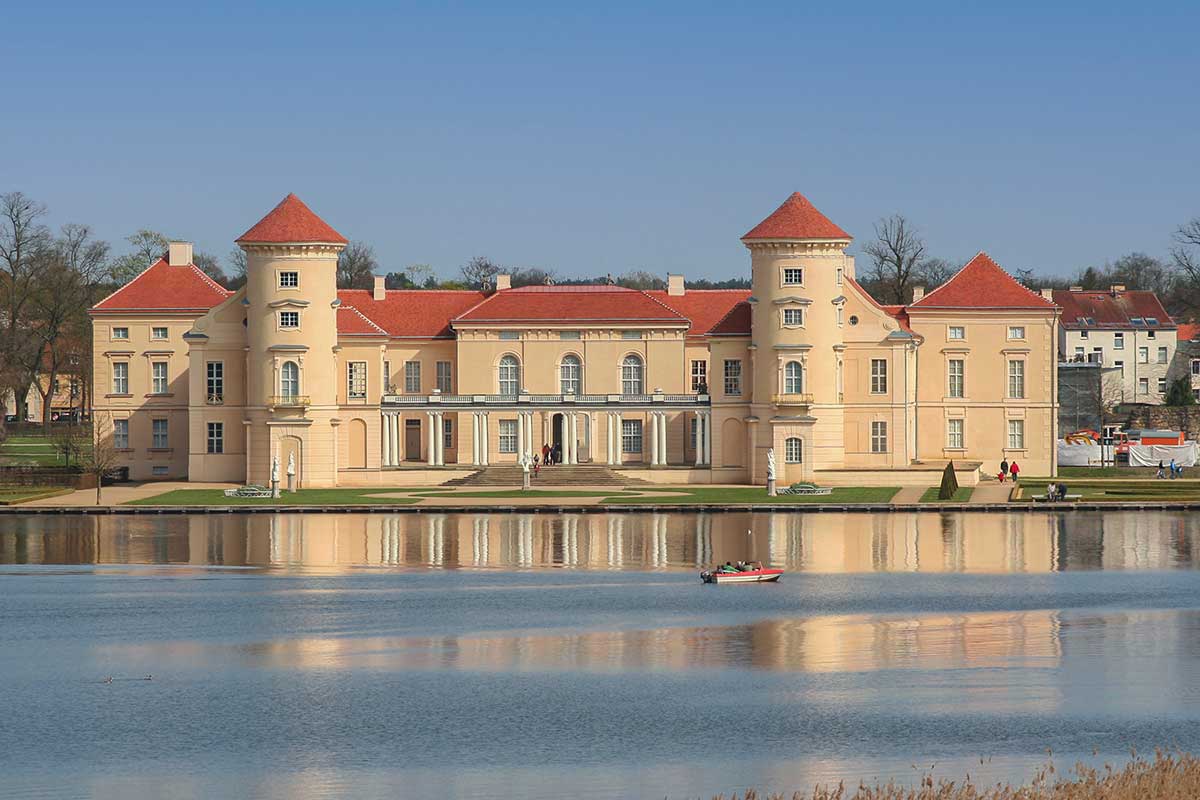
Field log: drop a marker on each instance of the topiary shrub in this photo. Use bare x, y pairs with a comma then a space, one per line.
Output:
949, 483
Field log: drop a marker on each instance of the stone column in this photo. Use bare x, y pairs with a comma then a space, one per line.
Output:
574, 441
475, 438
483, 438
699, 438
441, 438
564, 427
431, 455
520, 436
653, 432
662, 434
386, 439
708, 438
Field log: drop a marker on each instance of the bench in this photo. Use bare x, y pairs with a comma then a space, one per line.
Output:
803, 488
248, 491
1041, 498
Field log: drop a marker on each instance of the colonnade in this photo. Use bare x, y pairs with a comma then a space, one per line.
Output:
703, 438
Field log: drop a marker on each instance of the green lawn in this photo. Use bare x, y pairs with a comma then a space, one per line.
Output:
33, 451
534, 493
304, 497
1119, 491
686, 495
961, 495
1103, 472
19, 494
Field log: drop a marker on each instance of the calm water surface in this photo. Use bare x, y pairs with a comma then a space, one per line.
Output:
473, 656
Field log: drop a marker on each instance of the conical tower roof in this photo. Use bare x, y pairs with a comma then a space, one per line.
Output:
797, 218
291, 221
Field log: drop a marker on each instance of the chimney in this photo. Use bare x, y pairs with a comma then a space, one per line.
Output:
380, 290
1048, 294
503, 281
918, 293
179, 254
1117, 288
675, 285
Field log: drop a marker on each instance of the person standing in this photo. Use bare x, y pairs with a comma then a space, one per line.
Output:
1160, 474
1003, 469
1014, 469
546, 454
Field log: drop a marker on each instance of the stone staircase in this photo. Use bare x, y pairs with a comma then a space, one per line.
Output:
558, 475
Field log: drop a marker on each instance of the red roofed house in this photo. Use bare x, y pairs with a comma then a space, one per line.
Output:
291, 376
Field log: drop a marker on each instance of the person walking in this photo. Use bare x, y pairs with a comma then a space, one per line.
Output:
1003, 469
1174, 470
1158, 475
546, 454
1014, 469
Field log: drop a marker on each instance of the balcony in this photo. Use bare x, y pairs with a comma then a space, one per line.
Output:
525, 400
793, 399
289, 401
215, 400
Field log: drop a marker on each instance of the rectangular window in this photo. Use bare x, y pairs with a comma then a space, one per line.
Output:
733, 377
356, 380
839, 276
289, 280
631, 334
158, 333
214, 382
1143, 386
1016, 331
412, 377
1196, 394
448, 434
121, 434
120, 333
700, 377
216, 438
508, 436
120, 377
289, 319
387, 377
158, 377
793, 276
445, 377
1079, 353
631, 436
956, 332
1118, 341
159, 470
1016, 379
1151, 335
1143, 355
1016, 434
954, 434
1120, 365
509, 335
693, 426
841, 314
879, 442
1162, 355
158, 429
1196, 366
878, 376
957, 378
1162, 385
793, 317
569, 335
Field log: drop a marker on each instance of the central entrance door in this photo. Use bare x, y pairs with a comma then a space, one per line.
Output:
556, 423
412, 440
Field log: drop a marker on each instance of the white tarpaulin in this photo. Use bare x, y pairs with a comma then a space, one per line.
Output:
1078, 455
1148, 455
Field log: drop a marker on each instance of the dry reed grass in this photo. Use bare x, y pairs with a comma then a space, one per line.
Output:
1170, 776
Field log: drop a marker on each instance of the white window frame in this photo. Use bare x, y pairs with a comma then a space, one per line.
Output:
448, 433
1016, 332
508, 375
285, 317
508, 436
1196, 366
631, 436
159, 333
214, 382
1162, 385
160, 434
956, 436
159, 381
1143, 386
121, 434
356, 380
120, 333
699, 374
733, 377
570, 375
633, 375
784, 279
294, 380
793, 450
793, 378
797, 317
1143, 355
1162, 355
1016, 434
1016, 379
120, 377
214, 438
956, 384
879, 376
412, 377
951, 330
1118, 341
284, 284
879, 436
445, 377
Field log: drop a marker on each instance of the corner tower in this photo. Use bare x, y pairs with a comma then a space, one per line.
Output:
291, 335
798, 270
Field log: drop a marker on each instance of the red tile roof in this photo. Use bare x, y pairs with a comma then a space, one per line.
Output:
162, 287
409, 313
735, 323
899, 313
351, 322
704, 308
982, 283
797, 218
291, 221
1105, 309
571, 304
1188, 332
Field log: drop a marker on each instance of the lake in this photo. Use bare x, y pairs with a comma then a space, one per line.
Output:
534, 655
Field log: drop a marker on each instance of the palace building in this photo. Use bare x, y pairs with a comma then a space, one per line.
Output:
393, 387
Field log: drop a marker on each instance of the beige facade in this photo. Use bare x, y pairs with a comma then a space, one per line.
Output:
361, 387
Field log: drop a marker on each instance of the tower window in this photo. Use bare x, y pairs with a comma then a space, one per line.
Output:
289, 319
289, 280
793, 317
793, 276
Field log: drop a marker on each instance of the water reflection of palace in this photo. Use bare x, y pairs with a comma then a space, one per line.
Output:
894, 542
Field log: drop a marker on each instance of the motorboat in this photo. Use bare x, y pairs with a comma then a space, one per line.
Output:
758, 574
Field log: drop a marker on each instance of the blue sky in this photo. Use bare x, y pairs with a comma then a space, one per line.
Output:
611, 136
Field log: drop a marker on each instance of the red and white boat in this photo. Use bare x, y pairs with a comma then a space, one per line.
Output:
758, 575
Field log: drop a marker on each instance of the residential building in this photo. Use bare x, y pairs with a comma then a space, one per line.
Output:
359, 387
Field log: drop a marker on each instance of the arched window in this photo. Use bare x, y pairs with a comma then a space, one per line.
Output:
793, 378
289, 379
569, 373
793, 450
632, 375
510, 375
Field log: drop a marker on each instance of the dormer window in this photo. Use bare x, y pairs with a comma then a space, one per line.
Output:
793, 276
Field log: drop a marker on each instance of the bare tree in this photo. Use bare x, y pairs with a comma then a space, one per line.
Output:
148, 246
236, 260
22, 237
210, 266
933, 272
103, 458
896, 255
356, 266
641, 279
1185, 253
479, 272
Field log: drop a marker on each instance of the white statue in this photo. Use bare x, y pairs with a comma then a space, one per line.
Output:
291, 464
770, 463
275, 469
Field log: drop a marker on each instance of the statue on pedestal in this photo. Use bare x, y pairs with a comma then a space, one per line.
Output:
291, 472
771, 471
275, 476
